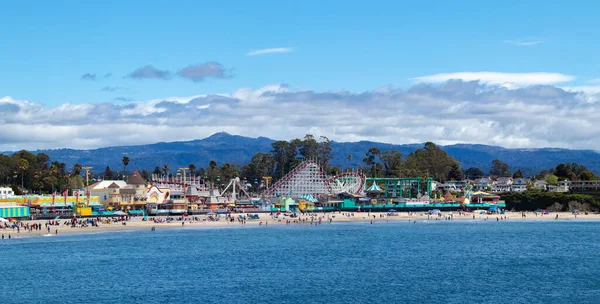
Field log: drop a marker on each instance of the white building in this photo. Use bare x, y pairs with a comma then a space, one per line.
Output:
482, 184
519, 185
503, 184
540, 185
105, 188
6, 192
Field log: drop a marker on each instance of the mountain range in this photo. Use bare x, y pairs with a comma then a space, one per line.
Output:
224, 147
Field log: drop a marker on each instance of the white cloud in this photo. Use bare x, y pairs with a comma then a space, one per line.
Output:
269, 51
583, 89
597, 80
496, 78
524, 43
452, 112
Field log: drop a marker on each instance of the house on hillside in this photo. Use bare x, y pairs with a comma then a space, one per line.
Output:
563, 186
519, 184
482, 184
503, 184
540, 185
455, 186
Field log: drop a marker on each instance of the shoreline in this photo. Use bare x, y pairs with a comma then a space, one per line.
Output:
136, 223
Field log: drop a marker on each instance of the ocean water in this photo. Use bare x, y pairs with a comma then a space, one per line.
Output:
426, 262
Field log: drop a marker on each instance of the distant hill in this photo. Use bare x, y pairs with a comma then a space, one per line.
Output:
223, 147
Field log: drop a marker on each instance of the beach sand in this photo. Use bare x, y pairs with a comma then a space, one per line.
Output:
136, 223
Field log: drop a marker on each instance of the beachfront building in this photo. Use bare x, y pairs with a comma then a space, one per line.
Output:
130, 195
481, 197
157, 195
104, 188
6, 192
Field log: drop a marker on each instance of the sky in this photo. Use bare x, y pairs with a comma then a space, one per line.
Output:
89, 74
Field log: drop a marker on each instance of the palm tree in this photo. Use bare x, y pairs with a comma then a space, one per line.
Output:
192, 168
125, 161
166, 169
23, 165
77, 169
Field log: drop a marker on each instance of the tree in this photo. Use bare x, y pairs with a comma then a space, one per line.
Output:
108, 174
23, 166
309, 147
587, 176
125, 161
474, 173
157, 171
430, 161
77, 169
518, 174
334, 171
145, 174
166, 169
499, 169
228, 171
392, 163
551, 179
280, 156
371, 159
192, 168
324, 151
455, 173
213, 171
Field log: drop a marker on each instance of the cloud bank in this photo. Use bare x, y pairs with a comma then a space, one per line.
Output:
497, 78
454, 111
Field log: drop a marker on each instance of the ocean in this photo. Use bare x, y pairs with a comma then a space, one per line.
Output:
423, 262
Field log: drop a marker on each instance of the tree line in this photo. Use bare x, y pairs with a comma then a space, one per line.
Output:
37, 173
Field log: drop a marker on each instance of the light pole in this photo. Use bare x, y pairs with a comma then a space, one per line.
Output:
267, 180
184, 173
87, 182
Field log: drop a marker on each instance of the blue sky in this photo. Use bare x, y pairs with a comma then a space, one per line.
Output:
331, 46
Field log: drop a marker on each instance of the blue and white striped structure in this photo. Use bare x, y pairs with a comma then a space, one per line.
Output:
309, 198
14, 211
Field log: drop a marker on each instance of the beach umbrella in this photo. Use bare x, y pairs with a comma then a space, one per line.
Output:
119, 213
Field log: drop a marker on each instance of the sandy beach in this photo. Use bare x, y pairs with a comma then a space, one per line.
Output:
266, 219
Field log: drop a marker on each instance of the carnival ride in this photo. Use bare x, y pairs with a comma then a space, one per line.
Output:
177, 182
309, 178
235, 185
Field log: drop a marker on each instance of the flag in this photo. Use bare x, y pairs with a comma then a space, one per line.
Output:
53, 197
